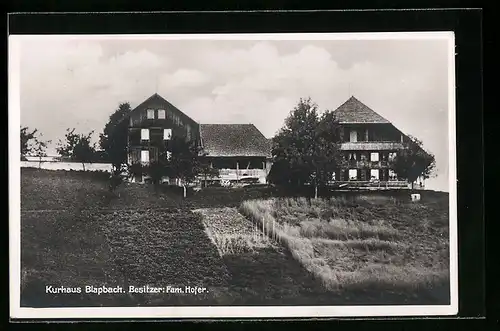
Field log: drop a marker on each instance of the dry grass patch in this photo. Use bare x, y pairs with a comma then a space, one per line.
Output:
346, 229
232, 233
363, 243
238, 244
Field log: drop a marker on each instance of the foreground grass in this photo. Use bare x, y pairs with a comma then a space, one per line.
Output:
61, 239
74, 233
376, 243
63, 190
161, 248
261, 271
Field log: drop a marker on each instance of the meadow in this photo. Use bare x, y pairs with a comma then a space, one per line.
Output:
74, 233
337, 251
373, 243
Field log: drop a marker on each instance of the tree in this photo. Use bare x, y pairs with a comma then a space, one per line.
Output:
39, 149
77, 147
206, 170
184, 161
113, 140
136, 169
305, 150
326, 156
412, 161
156, 170
178, 159
27, 139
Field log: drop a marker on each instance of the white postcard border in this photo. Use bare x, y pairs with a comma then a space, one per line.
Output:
17, 312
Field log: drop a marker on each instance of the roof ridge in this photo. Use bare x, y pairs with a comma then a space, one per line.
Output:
227, 124
165, 101
355, 111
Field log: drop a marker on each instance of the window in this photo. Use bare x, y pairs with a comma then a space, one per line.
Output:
353, 136
151, 113
374, 174
144, 134
167, 134
144, 156
353, 174
161, 113
168, 155
374, 157
392, 156
363, 156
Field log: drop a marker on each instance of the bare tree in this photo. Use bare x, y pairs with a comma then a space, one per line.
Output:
77, 147
39, 149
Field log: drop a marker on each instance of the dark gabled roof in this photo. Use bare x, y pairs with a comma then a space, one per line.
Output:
161, 100
234, 140
354, 111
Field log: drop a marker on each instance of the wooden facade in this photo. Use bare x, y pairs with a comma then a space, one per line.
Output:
369, 143
152, 126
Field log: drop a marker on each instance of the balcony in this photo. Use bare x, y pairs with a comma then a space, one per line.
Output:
371, 146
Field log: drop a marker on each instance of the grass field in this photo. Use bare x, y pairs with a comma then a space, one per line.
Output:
369, 243
76, 233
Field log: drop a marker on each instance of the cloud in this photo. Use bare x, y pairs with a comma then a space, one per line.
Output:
184, 78
70, 84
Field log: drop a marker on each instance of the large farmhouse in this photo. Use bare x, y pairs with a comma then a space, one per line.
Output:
239, 151
369, 143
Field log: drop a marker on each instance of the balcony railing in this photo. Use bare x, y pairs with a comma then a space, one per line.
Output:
367, 164
374, 184
370, 146
241, 173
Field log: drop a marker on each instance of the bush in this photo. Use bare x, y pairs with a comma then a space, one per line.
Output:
136, 169
115, 180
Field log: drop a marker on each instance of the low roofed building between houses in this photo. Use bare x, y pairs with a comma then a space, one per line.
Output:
240, 151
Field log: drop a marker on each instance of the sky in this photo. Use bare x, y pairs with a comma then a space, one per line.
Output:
78, 83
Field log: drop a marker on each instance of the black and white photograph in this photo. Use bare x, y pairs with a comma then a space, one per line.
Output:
232, 175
